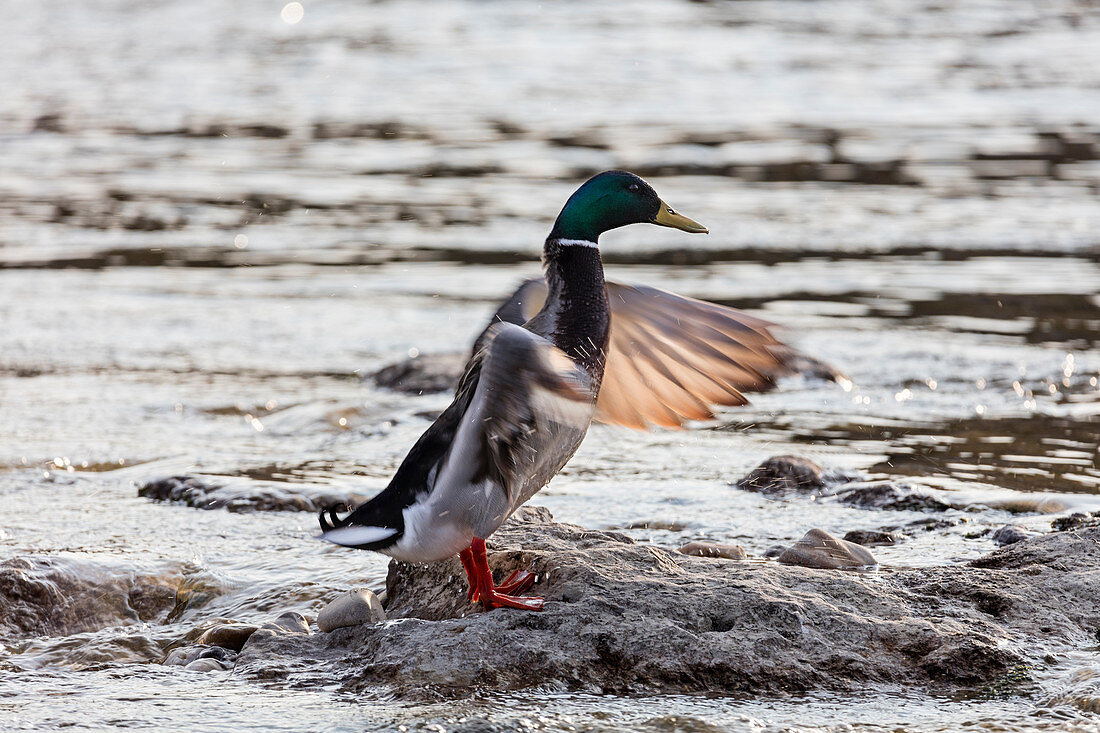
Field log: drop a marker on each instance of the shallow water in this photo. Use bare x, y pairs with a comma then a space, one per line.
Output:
215, 223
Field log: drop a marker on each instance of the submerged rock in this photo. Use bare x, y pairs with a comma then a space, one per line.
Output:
784, 473
246, 497
713, 549
423, 374
57, 596
357, 606
871, 537
1075, 521
185, 656
819, 549
634, 618
889, 496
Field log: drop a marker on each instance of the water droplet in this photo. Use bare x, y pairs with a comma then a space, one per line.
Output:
240, 241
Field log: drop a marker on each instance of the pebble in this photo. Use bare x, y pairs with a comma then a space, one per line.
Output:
819, 549
353, 608
713, 549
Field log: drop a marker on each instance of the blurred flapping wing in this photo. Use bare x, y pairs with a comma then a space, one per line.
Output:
672, 359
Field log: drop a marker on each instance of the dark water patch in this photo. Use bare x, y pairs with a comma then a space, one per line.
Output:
1037, 453
874, 173
382, 130
1070, 319
264, 130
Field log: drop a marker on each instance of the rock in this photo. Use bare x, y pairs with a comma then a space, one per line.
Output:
819, 549
657, 524
713, 549
889, 496
1075, 521
774, 551
871, 537
423, 374
290, 622
185, 655
784, 473
230, 636
56, 596
627, 617
246, 496
357, 606
206, 664
1010, 534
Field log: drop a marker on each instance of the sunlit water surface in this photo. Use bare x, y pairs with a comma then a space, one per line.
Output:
215, 224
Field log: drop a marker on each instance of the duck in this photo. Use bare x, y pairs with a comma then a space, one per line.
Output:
561, 352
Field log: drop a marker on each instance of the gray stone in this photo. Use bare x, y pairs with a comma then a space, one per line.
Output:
784, 473
206, 664
714, 549
185, 655
230, 636
244, 495
290, 622
423, 374
357, 606
871, 537
1010, 534
819, 549
634, 618
896, 497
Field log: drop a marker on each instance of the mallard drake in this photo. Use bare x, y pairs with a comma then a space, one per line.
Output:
555, 355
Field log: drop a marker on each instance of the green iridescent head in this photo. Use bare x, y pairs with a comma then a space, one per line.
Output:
614, 199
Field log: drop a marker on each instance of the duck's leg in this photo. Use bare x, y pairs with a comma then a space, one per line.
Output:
491, 596
467, 558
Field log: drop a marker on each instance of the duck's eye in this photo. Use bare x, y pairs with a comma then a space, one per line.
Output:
632, 187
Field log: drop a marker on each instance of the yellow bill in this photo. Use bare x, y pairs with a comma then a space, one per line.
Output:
666, 217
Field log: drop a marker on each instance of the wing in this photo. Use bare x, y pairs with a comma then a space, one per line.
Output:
536, 405
672, 359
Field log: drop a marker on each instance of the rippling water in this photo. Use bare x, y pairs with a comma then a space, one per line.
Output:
214, 223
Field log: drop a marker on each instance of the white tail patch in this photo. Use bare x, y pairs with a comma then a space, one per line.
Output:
355, 536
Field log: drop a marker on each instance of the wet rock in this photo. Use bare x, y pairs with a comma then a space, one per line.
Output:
713, 549
625, 617
657, 524
1010, 534
774, 551
896, 497
206, 664
56, 596
1075, 521
247, 496
357, 606
871, 537
290, 622
229, 636
819, 549
784, 473
423, 374
186, 655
